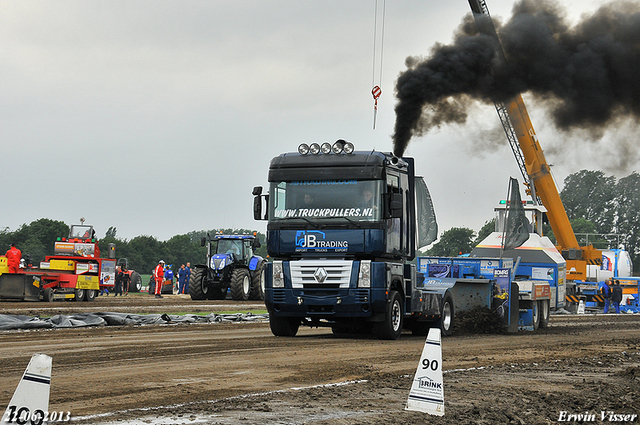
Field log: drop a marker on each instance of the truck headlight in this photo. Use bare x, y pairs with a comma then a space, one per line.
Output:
364, 276
278, 275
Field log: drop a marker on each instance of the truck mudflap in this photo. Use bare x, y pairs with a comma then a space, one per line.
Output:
534, 290
534, 304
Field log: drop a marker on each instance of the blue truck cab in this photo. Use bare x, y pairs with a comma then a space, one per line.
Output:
342, 234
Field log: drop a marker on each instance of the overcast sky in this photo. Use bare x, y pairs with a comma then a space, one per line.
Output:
159, 117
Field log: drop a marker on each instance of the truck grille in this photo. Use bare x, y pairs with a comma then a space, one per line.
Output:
320, 274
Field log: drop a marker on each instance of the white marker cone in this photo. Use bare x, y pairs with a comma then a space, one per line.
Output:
427, 390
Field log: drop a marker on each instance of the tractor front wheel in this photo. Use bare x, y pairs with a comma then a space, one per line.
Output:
197, 288
240, 285
257, 283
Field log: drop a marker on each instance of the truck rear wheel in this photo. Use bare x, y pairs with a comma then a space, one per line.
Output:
90, 295
445, 323
544, 313
391, 327
535, 306
257, 283
135, 285
197, 288
48, 294
240, 285
79, 295
284, 326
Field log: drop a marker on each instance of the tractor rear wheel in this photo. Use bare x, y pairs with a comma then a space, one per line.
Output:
197, 288
240, 285
135, 285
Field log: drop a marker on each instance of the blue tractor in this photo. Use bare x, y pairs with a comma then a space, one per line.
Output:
231, 267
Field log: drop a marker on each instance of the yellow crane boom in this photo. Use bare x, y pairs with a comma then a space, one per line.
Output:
535, 169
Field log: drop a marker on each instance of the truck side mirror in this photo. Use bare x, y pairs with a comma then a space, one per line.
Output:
257, 207
203, 241
393, 201
257, 191
255, 244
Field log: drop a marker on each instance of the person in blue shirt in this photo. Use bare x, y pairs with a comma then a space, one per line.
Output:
186, 284
606, 293
182, 278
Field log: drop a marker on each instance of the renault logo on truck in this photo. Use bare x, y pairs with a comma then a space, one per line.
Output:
320, 274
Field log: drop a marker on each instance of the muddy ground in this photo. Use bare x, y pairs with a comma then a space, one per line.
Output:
230, 373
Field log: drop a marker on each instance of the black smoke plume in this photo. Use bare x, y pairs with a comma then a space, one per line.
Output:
587, 75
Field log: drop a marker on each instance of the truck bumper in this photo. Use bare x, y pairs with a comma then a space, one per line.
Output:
348, 304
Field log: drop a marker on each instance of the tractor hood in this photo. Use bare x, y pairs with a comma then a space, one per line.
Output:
220, 261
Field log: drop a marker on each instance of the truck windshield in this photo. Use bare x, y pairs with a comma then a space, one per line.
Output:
354, 200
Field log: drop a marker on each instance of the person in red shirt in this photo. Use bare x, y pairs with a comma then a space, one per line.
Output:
13, 258
158, 273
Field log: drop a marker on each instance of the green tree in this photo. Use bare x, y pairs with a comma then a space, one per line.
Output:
453, 242
590, 195
37, 239
628, 214
488, 228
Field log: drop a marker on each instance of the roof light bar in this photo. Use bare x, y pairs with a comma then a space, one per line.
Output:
326, 148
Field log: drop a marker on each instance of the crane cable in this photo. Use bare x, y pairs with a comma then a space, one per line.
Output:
376, 91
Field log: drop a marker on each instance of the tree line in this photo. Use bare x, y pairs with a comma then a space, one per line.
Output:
603, 211
595, 204
37, 240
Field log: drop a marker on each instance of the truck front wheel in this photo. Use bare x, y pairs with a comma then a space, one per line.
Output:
391, 327
284, 326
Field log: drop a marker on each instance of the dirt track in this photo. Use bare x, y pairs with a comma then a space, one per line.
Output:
231, 373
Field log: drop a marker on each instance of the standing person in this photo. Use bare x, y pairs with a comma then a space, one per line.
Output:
118, 288
182, 278
126, 279
606, 293
158, 274
13, 258
616, 296
186, 282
